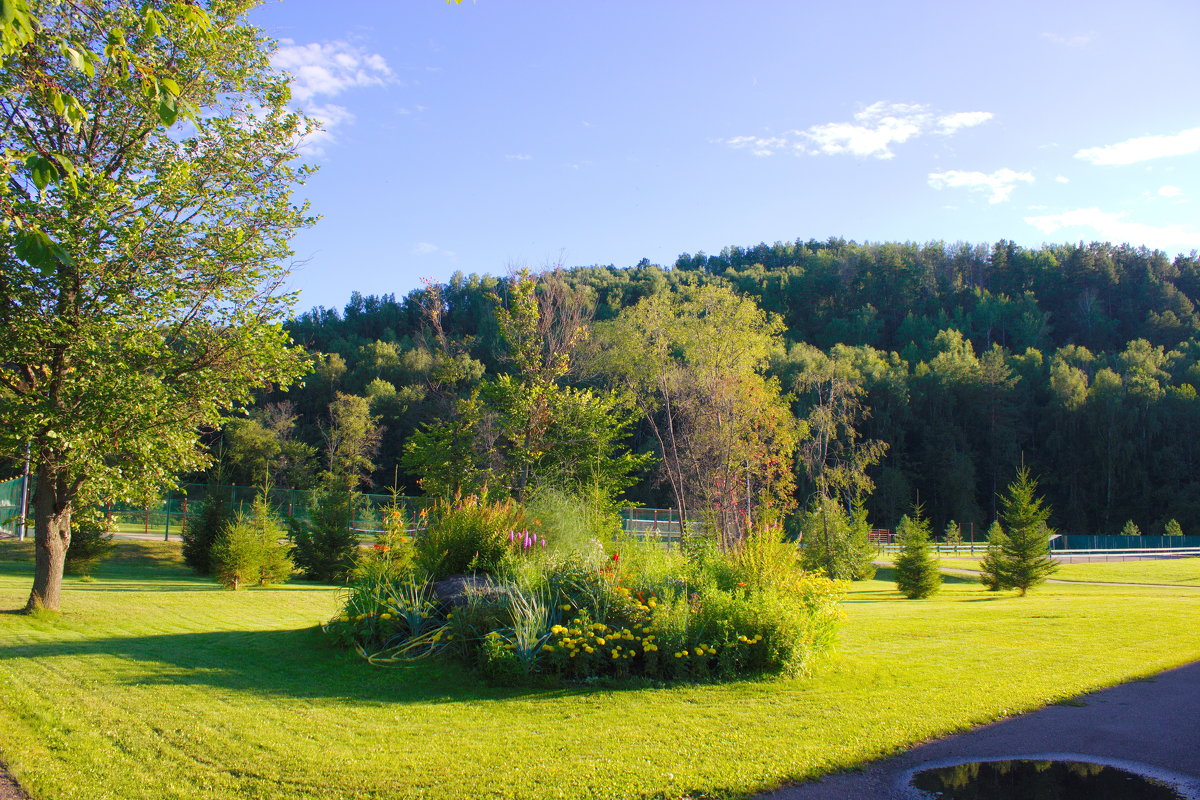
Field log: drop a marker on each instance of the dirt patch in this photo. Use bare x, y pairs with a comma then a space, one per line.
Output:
9, 790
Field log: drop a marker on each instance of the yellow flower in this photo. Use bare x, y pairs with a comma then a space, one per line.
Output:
589, 650
565, 607
683, 652
615, 654
385, 615
558, 629
547, 648
679, 655
599, 640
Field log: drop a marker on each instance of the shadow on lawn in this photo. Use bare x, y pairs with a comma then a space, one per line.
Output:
292, 663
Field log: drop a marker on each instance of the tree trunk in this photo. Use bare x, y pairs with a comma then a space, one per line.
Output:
52, 532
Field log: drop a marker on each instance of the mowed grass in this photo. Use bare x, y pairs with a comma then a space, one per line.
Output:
1182, 571
154, 684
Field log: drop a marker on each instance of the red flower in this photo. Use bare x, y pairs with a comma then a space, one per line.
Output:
616, 556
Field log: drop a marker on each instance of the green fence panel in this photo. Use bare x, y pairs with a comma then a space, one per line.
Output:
10, 506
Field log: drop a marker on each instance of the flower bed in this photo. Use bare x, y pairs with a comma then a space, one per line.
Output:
538, 614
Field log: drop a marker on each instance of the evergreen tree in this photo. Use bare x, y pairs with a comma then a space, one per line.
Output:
1172, 528
326, 543
1021, 558
1130, 529
250, 549
953, 535
917, 573
990, 566
203, 529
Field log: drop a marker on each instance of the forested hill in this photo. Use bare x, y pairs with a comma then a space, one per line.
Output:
1081, 359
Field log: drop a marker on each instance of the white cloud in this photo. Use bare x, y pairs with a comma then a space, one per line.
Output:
1061, 179
329, 68
431, 249
1143, 148
872, 132
1114, 227
518, 156
951, 123
1070, 40
999, 184
1169, 191
330, 117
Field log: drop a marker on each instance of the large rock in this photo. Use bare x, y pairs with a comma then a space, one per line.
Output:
454, 590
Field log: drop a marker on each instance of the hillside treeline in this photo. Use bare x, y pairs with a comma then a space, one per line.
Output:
1079, 360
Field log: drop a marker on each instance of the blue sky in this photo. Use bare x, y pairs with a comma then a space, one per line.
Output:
507, 133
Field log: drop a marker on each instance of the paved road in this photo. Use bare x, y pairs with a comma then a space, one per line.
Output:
1150, 726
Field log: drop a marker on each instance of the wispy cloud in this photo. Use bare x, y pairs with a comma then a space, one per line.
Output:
1114, 227
431, 249
329, 68
1070, 39
998, 185
1143, 148
518, 156
1061, 179
325, 70
1169, 191
871, 134
330, 117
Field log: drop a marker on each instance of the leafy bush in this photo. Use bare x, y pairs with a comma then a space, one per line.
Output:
326, 544
393, 556
250, 550
91, 543
203, 528
469, 534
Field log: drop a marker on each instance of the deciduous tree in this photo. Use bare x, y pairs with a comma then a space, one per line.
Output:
142, 270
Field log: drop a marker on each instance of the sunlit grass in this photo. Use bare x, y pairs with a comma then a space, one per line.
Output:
154, 684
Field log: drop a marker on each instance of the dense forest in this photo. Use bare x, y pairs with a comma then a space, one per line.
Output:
1081, 361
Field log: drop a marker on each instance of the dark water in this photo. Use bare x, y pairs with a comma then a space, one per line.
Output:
1039, 780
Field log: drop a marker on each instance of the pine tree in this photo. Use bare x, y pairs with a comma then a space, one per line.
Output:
1172, 528
953, 535
1020, 559
917, 573
1131, 529
991, 566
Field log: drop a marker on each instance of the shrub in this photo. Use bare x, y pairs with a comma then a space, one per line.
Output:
326, 544
250, 550
469, 534
917, 573
203, 528
91, 543
571, 523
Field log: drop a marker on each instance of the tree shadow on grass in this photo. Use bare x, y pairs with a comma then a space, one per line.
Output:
286, 663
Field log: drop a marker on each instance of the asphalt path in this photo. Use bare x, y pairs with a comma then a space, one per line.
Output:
1150, 727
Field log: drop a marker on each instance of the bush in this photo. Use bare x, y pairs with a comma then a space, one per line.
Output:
203, 528
470, 535
91, 543
570, 523
917, 572
326, 544
393, 555
250, 550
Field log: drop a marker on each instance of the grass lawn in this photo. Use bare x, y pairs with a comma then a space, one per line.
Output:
1182, 571
154, 684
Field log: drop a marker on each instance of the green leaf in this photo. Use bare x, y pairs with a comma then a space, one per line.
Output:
80, 60
167, 113
170, 85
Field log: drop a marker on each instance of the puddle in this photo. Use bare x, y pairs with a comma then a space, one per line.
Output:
1040, 780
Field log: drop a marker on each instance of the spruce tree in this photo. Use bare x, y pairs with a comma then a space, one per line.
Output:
991, 566
1020, 559
1172, 528
953, 535
917, 573
1130, 529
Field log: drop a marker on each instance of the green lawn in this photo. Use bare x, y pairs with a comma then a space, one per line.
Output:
154, 684
1183, 571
